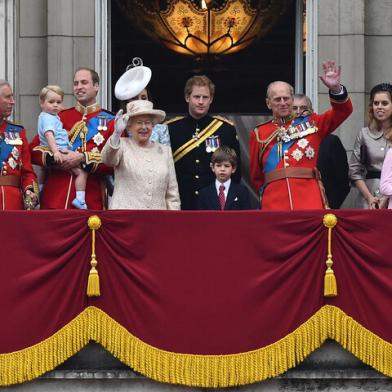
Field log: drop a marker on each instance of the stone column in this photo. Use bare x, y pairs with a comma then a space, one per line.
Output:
378, 42
70, 41
30, 61
342, 38
53, 38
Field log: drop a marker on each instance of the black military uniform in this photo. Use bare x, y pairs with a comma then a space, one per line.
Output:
193, 141
333, 166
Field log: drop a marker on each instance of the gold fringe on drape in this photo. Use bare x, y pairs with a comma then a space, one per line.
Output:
197, 370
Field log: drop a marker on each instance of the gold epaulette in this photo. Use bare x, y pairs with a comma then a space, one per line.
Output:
224, 119
172, 120
259, 125
16, 125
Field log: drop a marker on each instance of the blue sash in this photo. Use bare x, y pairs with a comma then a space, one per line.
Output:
6, 148
92, 128
273, 158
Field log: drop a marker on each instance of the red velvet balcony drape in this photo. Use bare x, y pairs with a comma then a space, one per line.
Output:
193, 287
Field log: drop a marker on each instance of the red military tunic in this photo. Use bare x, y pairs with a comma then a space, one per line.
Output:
59, 185
16, 174
301, 152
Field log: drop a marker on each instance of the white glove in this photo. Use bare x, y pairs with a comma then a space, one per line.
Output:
120, 124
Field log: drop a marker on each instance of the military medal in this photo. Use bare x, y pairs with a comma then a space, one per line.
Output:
99, 127
297, 154
212, 143
12, 162
104, 127
303, 143
13, 138
310, 153
98, 139
102, 123
196, 134
15, 153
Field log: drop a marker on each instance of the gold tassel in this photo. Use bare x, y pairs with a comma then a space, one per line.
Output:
330, 285
93, 289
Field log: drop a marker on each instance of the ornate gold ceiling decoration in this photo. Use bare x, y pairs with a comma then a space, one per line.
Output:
206, 27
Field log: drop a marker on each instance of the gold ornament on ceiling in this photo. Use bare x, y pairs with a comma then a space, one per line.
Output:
207, 27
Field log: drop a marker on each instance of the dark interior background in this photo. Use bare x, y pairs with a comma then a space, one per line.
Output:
240, 78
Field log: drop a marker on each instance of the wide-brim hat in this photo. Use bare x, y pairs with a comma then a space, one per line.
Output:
132, 82
144, 107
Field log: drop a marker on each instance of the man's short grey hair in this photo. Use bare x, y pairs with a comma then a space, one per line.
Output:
272, 84
4, 82
308, 100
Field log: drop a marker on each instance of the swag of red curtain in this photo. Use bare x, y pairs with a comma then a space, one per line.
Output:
195, 298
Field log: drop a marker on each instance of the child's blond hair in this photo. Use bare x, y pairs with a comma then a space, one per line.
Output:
51, 87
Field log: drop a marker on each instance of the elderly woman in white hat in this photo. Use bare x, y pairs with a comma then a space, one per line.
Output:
144, 172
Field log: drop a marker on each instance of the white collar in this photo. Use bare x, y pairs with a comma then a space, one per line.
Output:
225, 184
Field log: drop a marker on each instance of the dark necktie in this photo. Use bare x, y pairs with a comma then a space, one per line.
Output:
222, 197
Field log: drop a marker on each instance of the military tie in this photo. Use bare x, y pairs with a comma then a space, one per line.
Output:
222, 197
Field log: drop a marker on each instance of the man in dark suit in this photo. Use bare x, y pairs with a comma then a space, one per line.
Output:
333, 166
224, 194
332, 158
195, 137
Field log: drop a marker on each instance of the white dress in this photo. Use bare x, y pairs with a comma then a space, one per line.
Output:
145, 177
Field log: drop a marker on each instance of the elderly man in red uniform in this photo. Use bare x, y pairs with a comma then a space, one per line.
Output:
283, 151
18, 182
89, 127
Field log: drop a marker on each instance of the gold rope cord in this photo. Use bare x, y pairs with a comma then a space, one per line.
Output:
330, 285
93, 287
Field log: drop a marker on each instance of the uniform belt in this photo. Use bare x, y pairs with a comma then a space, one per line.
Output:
373, 174
10, 181
291, 172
